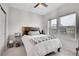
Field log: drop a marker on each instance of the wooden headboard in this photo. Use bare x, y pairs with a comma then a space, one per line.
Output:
25, 30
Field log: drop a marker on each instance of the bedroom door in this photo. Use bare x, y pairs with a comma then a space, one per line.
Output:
2, 29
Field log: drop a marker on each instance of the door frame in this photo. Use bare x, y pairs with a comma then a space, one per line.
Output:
4, 20
5, 44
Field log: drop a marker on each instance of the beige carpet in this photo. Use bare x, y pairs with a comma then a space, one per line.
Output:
15, 51
20, 51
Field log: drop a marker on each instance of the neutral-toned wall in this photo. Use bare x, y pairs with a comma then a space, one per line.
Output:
19, 18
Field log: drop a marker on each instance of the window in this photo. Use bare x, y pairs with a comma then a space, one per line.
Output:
53, 26
68, 26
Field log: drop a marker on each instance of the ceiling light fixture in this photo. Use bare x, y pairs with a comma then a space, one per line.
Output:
40, 5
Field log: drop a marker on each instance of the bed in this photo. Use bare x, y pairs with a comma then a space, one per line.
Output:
39, 44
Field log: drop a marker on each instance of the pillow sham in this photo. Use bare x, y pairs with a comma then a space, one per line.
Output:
33, 33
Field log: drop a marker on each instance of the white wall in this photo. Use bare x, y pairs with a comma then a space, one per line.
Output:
19, 18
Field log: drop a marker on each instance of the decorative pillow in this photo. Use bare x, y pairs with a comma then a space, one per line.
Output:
33, 33
33, 42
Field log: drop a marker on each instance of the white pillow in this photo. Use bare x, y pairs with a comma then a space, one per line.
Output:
33, 33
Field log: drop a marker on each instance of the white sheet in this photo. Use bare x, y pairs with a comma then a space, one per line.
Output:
42, 48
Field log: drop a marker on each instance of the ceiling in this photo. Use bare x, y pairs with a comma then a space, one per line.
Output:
30, 7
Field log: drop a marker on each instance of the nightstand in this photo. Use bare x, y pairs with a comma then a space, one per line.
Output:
14, 41
14, 44
18, 41
10, 44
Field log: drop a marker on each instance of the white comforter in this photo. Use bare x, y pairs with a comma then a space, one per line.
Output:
42, 48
